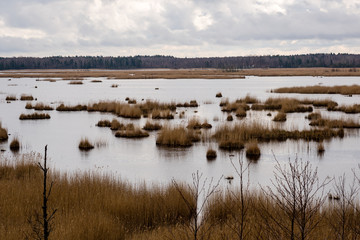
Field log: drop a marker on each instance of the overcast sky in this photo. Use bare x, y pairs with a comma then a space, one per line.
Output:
181, 28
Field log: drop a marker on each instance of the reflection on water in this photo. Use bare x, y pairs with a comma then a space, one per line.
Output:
141, 160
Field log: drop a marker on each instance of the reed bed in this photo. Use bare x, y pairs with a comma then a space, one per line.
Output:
3, 133
85, 144
11, 98
248, 99
349, 109
25, 97
341, 89
116, 125
234, 106
334, 123
39, 107
244, 132
63, 108
313, 116
150, 126
34, 116
194, 123
90, 206
286, 105
76, 83
133, 132
176, 137
162, 114
192, 103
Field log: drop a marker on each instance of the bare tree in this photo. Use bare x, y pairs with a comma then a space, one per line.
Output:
42, 225
342, 217
296, 196
201, 192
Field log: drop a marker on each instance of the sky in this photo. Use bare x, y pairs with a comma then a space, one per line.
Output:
181, 28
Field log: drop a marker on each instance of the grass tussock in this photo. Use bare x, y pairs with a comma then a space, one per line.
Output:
341, 89
176, 137
286, 105
72, 78
234, 106
248, 99
162, 114
194, 123
116, 125
39, 107
320, 148
192, 103
253, 150
313, 116
349, 109
229, 118
76, 83
211, 154
63, 108
85, 144
104, 123
218, 95
280, 117
335, 123
241, 133
3, 133
131, 132
25, 97
114, 85
150, 126
34, 116
96, 81
90, 206
11, 98
15, 144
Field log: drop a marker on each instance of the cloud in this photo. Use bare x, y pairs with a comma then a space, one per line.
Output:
178, 27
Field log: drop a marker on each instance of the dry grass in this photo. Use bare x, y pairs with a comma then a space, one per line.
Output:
218, 95
253, 150
96, 81
335, 123
313, 116
150, 126
280, 117
76, 82
349, 109
131, 132
320, 148
25, 97
116, 125
342, 89
248, 99
240, 112
11, 98
62, 107
39, 107
194, 123
15, 144
241, 133
104, 123
211, 154
176, 137
85, 144
192, 103
114, 85
3, 133
162, 114
229, 118
34, 116
234, 106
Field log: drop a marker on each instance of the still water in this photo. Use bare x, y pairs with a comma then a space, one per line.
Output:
141, 160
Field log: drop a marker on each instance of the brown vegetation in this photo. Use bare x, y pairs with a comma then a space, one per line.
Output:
229, 118
114, 85
350, 109
211, 154
85, 144
218, 95
320, 148
34, 116
192, 103
104, 123
3, 133
15, 144
253, 150
334, 123
63, 107
11, 98
342, 89
280, 117
286, 105
39, 107
96, 81
176, 137
149, 126
25, 97
131, 132
162, 114
76, 83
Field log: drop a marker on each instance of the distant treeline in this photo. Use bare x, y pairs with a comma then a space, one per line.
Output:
133, 62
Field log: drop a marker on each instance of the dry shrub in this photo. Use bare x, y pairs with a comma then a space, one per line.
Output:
85, 144
34, 116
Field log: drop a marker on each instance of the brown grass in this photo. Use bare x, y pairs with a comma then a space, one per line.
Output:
162, 114
39, 107
15, 144
218, 95
149, 126
253, 150
248, 99
349, 109
131, 132
240, 133
25, 97
194, 123
76, 82
192, 103
116, 125
320, 148
11, 98
335, 123
104, 123
62, 107
341, 89
85, 144
313, 116
229, 118
96, 81
240, 112
280, 117
34, 116
114, 85
3, 133
176, 137
211, 154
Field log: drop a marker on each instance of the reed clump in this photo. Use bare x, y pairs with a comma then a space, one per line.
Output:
15, 144
211, 154
176, 137
334, 123
34, 116
218, 95
286, 105
349, 109
280, 117
248, 99
96, 81
3, 133
150, 126
131, 132
313, 116
39, 107
244, 132
62, 107
192, 103
25, 97
320, 148
104, 123
229, 118
162, 114
341, 89
11, 98
114, 85
85, 144
76, 82
253, 150
116, 125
